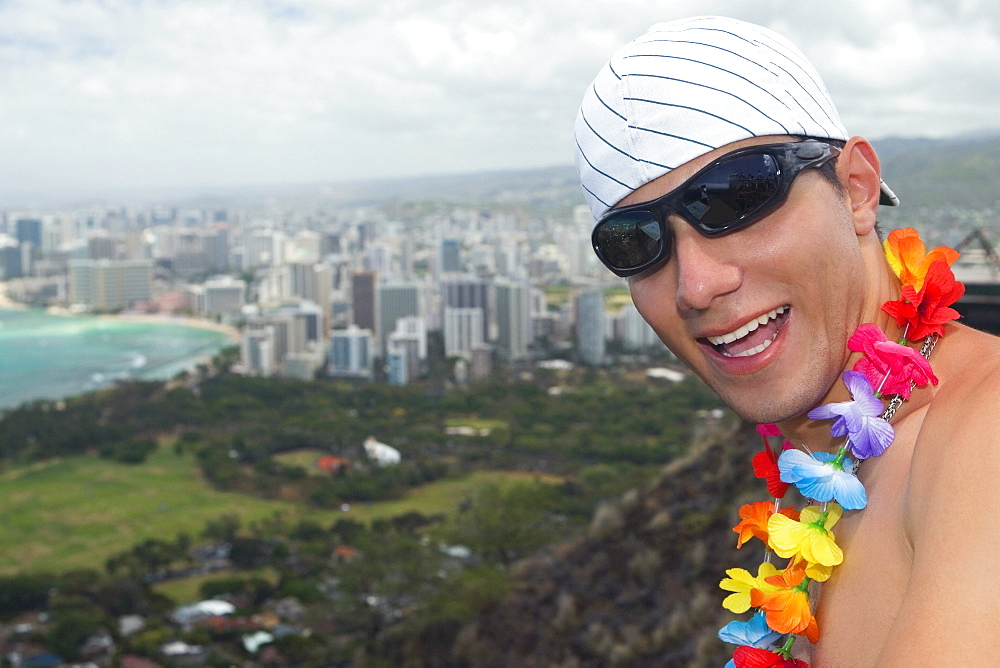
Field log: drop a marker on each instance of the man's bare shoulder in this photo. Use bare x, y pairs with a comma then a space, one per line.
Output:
968, 366
959, 438
950, 492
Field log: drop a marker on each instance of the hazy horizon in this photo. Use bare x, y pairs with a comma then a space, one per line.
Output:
105, 97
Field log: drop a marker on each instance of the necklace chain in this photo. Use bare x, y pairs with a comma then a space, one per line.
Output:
897, 399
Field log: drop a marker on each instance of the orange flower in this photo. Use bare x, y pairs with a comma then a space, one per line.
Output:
753, 520
908, 257
787, 609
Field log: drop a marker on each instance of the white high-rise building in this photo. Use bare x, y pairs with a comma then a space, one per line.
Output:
108, 285
224, 295
638, 333
257, 351
463, 331
590, 327
414, 327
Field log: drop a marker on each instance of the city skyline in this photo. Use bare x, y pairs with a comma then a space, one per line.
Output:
105, 97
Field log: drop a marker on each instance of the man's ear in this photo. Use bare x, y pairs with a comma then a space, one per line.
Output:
859, 173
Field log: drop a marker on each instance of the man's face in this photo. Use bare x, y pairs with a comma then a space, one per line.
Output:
763, 314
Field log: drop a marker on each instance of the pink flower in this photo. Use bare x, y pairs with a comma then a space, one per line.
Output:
769, 429
897, 364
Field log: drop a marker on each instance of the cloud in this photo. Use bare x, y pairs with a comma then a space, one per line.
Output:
142, 93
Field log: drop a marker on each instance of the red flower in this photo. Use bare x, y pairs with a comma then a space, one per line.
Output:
765, 464
892, 362
928, 310
752, 657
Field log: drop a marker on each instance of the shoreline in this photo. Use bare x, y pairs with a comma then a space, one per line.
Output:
232, 333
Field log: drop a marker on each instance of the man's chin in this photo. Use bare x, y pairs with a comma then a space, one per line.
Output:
768, 414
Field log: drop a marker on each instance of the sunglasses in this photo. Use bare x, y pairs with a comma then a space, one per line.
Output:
730, 193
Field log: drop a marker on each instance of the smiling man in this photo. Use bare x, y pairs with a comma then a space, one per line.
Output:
743, 216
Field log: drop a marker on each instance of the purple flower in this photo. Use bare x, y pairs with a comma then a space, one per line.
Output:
860, 420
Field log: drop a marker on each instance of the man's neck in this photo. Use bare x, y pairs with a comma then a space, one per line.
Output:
815, 434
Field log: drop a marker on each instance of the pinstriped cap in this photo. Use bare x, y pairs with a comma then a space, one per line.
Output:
685, 88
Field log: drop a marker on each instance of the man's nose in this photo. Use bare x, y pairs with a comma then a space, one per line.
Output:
706, 268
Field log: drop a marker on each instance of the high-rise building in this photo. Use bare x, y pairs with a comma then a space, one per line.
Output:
108, 285
638, 333
351, 353
414, 327
224, 295
470, 292
514, 331
463, 331
396, 367
451, 256
257, 351
29, 231
11, 265
313, 282
410, 344
590, 327
395, 301
364, 300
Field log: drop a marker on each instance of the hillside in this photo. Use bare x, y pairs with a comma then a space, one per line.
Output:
639, 590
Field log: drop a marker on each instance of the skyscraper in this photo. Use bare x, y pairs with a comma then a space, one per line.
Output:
108, 285
451, 256
351, 353
29, 231
590, 327
463, 331
470, 292
395, 301
513, 319
364, 300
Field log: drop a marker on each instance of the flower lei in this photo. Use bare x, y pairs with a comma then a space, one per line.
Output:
887, 369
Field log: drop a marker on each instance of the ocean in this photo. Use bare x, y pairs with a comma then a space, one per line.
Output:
46, 356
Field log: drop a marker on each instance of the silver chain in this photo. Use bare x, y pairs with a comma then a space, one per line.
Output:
897, 399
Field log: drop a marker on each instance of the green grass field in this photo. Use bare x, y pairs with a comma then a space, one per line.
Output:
75, 513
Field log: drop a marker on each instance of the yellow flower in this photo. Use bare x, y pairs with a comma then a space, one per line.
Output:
741, 582
809, 538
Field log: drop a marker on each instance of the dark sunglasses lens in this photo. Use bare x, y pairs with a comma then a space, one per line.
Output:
629, 240
733, 190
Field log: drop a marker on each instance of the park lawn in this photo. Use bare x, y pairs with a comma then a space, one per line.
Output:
305, 458
476, 423
188, 590
76, 512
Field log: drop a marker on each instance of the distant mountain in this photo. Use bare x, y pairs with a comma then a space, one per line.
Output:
962, 172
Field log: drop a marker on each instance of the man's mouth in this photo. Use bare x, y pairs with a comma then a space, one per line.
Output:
753, 337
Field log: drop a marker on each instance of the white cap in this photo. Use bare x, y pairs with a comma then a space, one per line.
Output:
687, 87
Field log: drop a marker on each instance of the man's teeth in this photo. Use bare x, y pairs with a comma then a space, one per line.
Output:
742, 331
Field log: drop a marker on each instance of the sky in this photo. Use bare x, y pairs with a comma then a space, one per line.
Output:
108, 95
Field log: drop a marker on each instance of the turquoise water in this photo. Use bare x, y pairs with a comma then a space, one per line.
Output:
45, 356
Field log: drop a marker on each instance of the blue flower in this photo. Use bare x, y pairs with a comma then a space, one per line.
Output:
860, 420
822, 477
754, 632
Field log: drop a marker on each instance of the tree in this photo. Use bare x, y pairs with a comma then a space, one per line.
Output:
504, 523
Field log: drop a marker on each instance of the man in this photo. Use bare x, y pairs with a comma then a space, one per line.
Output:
756, 273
